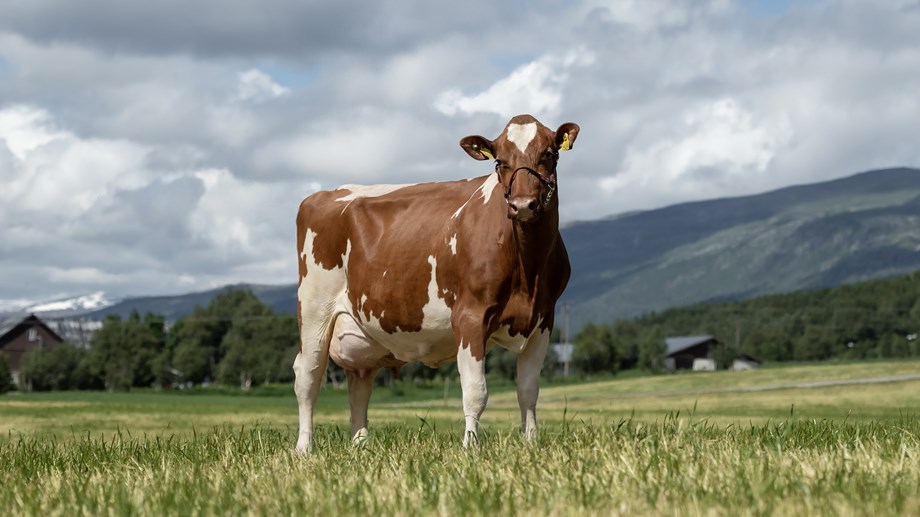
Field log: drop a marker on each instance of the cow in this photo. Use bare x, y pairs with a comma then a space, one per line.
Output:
434, 272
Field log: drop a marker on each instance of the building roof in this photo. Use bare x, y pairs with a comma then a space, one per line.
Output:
9, 325
9, 321
679, 343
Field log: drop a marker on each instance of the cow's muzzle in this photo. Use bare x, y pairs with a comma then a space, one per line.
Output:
525, 208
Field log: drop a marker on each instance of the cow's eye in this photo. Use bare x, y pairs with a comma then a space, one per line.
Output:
549, 155
498, 164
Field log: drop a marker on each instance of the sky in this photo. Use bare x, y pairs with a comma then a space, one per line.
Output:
163, 147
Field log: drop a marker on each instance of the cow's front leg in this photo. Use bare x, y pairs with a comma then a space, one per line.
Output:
529, 365
472, 366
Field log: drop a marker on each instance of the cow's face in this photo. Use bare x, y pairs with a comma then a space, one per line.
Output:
525, 157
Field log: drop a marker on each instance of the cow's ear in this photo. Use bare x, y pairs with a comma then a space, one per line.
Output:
566, 135
478, 147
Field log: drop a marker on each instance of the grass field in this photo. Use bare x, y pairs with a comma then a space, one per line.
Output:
723, 443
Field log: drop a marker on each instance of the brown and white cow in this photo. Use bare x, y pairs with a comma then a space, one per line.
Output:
435, 272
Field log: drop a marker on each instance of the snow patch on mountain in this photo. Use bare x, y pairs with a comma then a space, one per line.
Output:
88, 302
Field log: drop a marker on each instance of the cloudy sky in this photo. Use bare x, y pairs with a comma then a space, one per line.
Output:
163, 147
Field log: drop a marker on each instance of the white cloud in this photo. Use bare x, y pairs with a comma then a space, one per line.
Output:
719, 137
58, 174
178, 163
256, 85
85, 276
25, 128
536, 87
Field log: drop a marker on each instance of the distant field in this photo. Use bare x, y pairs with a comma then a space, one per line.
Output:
724, 443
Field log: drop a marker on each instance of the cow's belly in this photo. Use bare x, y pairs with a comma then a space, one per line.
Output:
362, 346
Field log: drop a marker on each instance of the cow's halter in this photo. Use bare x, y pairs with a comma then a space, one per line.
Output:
549, 181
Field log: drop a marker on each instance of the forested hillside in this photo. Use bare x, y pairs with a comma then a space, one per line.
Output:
802, 237
873, 319
236, 340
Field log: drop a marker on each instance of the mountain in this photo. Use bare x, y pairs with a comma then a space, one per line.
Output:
801, 237
70, 306
281, 298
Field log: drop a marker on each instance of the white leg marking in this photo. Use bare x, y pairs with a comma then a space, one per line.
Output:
475, 394
521, 134
309, 370
530, 362
317, 294
359, 395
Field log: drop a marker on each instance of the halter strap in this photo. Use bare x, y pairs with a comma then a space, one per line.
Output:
549, 181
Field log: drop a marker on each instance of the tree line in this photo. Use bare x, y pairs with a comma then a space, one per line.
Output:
235, 340
238, 340
874, 319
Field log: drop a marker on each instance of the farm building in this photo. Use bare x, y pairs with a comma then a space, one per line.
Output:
696, 353
690, 353
18, 336
745, 362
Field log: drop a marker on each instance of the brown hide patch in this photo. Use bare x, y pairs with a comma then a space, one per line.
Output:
388, 269
320, 213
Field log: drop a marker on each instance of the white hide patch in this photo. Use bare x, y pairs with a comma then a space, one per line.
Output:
453, 245
321, 294
369, 190
521, 134
434, 343
436, 312
484, 190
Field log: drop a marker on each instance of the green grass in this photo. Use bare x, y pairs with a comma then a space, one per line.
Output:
664, 445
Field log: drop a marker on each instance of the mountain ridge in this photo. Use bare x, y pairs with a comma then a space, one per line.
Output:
858, 227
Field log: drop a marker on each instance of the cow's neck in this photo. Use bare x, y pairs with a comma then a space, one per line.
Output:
533, 244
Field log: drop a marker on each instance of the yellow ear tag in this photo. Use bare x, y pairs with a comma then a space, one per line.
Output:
487, 154
565, 143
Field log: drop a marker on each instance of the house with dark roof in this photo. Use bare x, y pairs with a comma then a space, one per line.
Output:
697, 353
690, 353
19, 335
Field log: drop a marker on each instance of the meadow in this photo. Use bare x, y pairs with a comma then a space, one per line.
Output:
813, 440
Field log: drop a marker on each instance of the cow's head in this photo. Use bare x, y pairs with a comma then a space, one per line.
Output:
525, 157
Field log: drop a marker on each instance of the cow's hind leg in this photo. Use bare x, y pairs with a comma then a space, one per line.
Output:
529, 365
360, 385
309, 374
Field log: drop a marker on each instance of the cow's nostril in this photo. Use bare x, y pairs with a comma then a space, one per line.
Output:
532, 205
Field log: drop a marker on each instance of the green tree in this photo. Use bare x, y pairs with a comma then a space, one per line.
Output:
651, 350
122, 353
594, 350
6, 376
59, 368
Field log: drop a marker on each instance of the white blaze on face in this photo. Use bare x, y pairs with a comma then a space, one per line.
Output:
521, 134
369, 190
